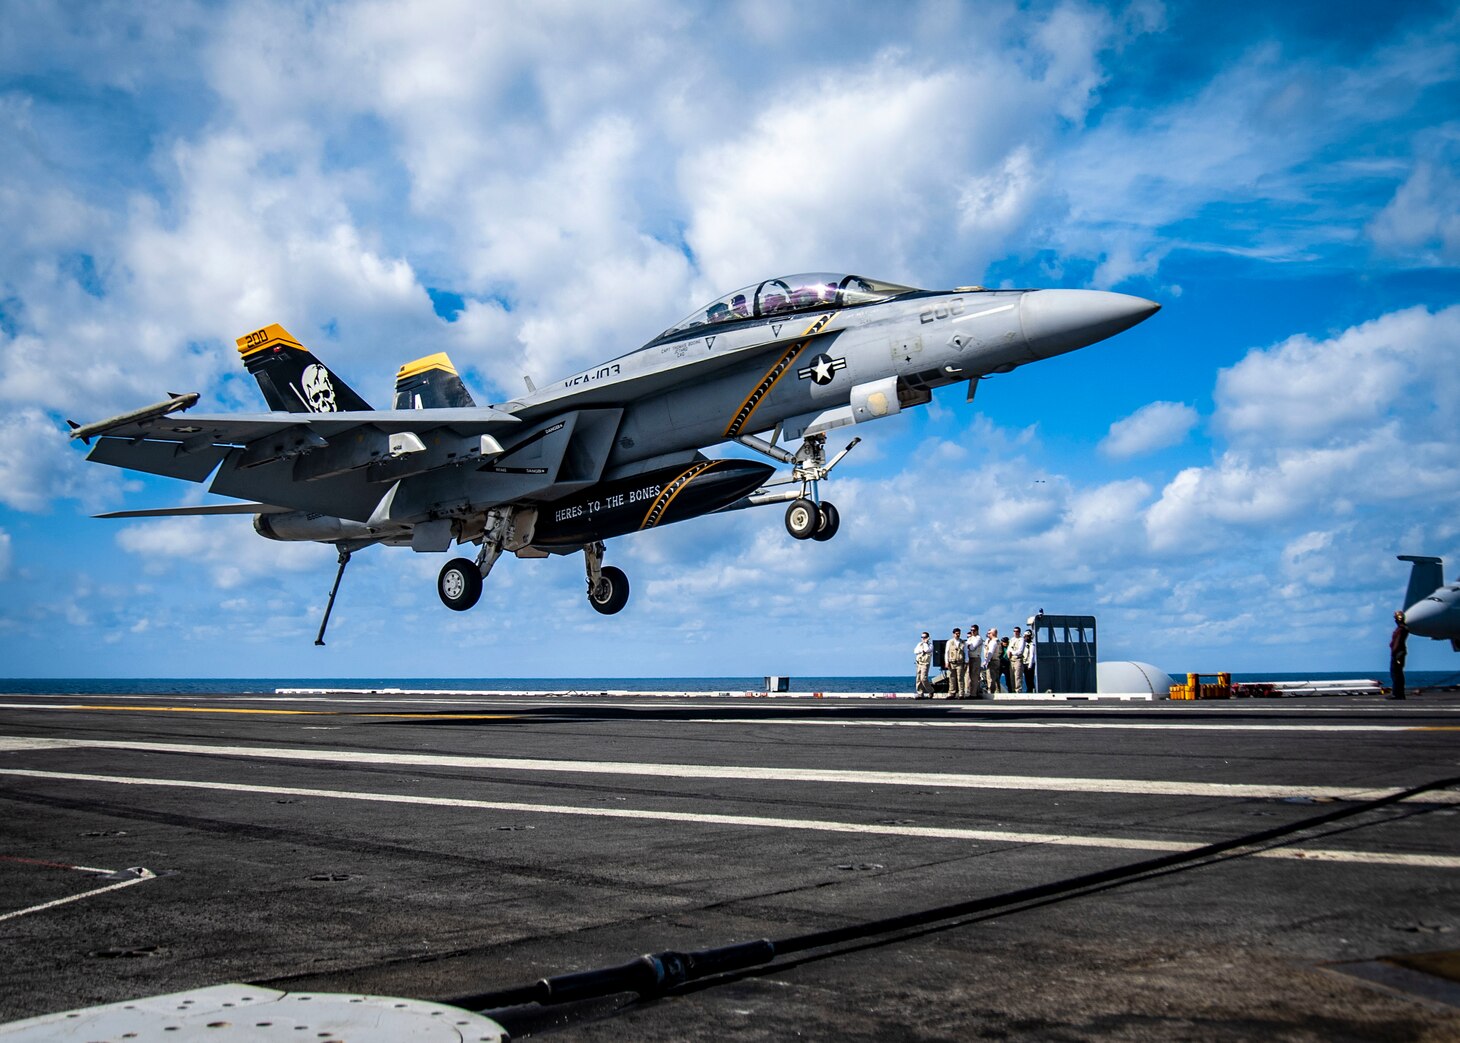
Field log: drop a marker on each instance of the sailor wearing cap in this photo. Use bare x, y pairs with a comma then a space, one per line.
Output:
954, 666
923, 657
973, 656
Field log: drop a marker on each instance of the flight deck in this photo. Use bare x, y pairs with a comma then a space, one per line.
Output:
455, 846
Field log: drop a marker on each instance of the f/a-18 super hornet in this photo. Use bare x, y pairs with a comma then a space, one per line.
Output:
608, 451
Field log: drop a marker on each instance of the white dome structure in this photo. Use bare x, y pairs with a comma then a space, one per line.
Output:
1128, 678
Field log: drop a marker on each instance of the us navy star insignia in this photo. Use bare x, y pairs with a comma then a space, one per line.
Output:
823, 367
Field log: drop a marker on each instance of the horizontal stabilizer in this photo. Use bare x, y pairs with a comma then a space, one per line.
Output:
205, 510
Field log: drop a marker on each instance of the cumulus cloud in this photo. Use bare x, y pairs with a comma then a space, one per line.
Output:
1423, 219
226, 548
1365, 417
1155, 426
1307, 390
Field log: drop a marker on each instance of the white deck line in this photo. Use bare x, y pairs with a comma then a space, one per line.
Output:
1386, 858
828, 776
142, 876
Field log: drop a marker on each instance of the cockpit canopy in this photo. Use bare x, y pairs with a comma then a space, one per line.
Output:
816, 291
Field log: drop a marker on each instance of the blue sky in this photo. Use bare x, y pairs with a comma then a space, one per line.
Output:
533, 187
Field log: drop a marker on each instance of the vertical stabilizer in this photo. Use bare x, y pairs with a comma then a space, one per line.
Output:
1426, 575
293, 380
430, 383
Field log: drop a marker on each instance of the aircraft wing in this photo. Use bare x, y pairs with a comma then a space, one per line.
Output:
201, 510
243, 428
191, 447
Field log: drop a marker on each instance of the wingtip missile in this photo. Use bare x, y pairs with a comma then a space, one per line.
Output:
175, 404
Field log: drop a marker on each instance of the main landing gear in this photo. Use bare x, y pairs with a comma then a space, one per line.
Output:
460, 584
608, 587
461, 579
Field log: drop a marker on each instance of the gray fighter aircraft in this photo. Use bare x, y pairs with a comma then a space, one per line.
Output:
1432, 609
608, 451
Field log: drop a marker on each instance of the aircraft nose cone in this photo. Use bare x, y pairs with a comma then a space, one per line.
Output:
1057, 321
1425, 616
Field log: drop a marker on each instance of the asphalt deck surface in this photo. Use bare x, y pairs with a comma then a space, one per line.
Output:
437, 848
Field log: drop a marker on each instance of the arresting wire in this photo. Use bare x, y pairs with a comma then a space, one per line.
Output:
656, 973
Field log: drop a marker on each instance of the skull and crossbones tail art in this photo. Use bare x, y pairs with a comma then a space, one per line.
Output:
318, 390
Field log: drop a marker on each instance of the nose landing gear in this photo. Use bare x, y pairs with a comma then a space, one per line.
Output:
806, 520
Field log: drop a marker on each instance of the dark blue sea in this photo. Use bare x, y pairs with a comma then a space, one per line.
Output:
248, 685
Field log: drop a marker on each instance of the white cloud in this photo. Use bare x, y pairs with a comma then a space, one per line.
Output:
1423, 219
226, 548
1159, 425
1366, 417
5, 554
39, 466
1305, 391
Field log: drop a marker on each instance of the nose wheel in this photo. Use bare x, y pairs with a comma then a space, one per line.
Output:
829, 520
806, 520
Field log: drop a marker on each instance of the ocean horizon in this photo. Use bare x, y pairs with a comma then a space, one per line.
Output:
808, 683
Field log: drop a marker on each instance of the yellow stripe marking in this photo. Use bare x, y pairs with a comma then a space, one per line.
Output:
666, 496
773, 376
286, 713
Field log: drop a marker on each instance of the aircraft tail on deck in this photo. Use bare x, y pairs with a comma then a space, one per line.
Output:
1426, 575
430, 383
293, 380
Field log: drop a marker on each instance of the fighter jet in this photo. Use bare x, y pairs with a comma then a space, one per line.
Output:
1431, 608
611, 450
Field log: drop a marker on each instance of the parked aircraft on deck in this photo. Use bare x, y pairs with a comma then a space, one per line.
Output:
607, 451
1432, 609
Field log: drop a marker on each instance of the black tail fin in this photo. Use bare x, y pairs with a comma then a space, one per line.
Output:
430, 383
293, 380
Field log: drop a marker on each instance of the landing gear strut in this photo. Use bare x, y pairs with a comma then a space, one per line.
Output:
460, 581
806, 519
608, 587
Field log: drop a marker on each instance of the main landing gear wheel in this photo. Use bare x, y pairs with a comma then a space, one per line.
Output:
802, 519
829, 521
460, 584
611, 593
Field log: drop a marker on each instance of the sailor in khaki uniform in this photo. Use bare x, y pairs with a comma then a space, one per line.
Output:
954, 666
923, 657
1016, 661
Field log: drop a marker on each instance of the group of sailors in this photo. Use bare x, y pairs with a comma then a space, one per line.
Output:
979, 665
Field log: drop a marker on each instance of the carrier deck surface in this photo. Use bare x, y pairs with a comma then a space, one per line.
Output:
437, 847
